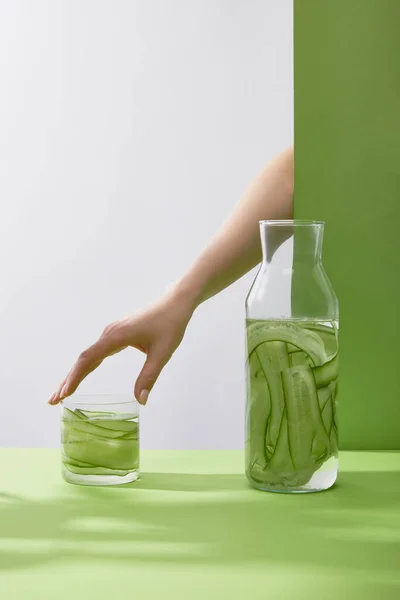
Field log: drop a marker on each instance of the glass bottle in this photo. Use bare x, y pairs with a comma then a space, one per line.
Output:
100, 439
292, 324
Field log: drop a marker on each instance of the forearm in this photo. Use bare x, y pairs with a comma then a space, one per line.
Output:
236, 247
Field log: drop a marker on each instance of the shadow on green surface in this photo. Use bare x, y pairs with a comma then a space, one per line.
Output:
218, 520
190, 482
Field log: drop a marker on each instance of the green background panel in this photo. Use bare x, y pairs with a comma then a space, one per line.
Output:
347, 172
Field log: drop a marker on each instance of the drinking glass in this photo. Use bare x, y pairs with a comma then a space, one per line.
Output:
100, 439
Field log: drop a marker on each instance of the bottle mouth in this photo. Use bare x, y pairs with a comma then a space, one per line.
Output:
292, 222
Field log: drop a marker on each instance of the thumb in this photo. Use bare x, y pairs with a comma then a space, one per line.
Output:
152, 368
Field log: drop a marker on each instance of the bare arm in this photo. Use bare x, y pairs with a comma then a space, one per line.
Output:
235, 250
236, 247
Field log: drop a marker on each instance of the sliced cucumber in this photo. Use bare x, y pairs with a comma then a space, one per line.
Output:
130, 436
96, 414
324, 394
90, 427
297, 336
118, 425
292, 348
94, 470
73, 415
308, 439
325, 374
273, 358
258, 412
108, 416
280, 469
97, 443
102, 452
292, 388
298, 358
76, 463
329, 336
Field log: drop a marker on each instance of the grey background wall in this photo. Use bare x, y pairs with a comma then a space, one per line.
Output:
128, 131
347, 171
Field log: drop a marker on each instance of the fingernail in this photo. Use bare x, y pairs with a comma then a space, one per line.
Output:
63, 391
144, 394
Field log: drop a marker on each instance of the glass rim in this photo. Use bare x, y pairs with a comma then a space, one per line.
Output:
100, 399
291, 222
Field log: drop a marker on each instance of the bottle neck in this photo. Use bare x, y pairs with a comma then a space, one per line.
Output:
306, 243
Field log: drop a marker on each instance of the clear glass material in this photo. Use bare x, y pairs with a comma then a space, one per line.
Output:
292, 326
100, 439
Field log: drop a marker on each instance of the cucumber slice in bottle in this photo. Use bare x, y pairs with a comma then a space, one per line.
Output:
308, 439
295, 335
258, 413
328, 335
292, 382
325, 374
273, 358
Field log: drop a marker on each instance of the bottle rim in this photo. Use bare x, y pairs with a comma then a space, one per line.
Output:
292, 222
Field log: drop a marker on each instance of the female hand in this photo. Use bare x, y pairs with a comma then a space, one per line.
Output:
235, 250
157, 332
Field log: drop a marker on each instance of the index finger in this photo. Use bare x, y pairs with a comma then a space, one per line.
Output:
87, 362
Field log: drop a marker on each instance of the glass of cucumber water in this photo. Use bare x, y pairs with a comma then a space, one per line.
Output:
100, 439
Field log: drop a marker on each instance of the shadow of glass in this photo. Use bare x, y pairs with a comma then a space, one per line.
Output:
218, 519
188, 482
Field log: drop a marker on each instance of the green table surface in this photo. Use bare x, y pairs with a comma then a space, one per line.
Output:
192, 528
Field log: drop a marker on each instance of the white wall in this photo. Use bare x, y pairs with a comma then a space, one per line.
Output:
128, 131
